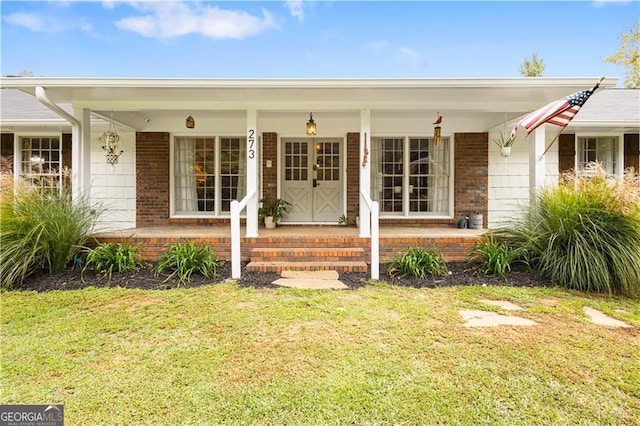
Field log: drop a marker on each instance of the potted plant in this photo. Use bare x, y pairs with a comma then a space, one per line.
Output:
272, 210
505, 143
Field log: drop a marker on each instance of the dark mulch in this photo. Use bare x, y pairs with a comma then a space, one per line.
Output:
461, 274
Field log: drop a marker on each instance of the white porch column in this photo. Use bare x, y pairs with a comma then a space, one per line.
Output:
81, 154
252, 173
536, 162
365, 172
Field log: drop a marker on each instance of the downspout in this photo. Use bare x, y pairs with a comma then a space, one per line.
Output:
76, 127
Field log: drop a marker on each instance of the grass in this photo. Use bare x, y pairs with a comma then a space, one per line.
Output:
222, 354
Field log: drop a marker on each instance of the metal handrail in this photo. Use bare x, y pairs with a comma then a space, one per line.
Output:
374, 225
236, 258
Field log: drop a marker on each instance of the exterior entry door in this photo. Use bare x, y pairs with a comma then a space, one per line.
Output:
312, 179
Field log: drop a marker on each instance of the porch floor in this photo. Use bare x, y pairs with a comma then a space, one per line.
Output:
207, 231
454, 244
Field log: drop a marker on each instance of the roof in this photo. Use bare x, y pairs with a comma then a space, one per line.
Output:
615, 104
16, 105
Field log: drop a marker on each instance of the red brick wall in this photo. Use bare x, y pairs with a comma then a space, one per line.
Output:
471, 181
152, 178
632, 151
353, 175
270, 174
66, 150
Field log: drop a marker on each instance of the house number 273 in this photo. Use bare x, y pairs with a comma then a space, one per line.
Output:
251, 142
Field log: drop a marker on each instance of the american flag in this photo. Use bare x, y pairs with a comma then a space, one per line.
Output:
559, 112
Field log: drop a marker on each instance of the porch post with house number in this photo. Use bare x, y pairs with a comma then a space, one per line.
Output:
252, 173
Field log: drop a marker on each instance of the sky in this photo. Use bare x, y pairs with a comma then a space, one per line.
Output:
311, 39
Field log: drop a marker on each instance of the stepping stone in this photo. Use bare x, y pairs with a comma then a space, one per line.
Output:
503, 304
475, 318
320, 275
600, 318
311, 283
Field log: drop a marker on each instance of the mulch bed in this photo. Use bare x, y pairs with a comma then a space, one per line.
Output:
462, 274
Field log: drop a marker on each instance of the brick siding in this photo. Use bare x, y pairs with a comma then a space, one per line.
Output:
152, 178
471, 181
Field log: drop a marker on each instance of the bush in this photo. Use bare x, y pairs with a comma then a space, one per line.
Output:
496, 257
585, 233
107, 258
185, 259
42, 229
418, 262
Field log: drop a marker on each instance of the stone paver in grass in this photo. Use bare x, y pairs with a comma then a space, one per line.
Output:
600, 318
313, 280
320, 275
476, 318
503, 304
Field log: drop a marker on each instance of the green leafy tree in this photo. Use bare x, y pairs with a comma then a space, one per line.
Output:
629, 56
533, 67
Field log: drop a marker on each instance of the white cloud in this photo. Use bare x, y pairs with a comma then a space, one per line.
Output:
30, 21
296, 8
377, 45
175, 19
409, 54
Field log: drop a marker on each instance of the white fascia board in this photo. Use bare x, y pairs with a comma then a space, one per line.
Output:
29, 82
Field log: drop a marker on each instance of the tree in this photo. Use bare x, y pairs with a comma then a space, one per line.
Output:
533, 67
629, 57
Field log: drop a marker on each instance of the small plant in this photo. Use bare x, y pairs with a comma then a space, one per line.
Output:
505, 141
496, 257
183, 260
107, 258
418, 262
274, 207
342, 220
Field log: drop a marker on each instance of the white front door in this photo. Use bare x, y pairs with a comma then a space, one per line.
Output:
312, 179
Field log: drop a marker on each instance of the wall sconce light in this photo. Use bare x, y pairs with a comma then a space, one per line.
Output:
190, 122
311, 126
437, 131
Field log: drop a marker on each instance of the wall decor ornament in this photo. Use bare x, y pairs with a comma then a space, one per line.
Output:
437, 130
110, 141
190, 122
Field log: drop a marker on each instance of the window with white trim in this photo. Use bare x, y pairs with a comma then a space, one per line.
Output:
209, 173
598, 149
411, 175
41, 160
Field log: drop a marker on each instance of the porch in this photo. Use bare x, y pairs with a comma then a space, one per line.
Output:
302, 247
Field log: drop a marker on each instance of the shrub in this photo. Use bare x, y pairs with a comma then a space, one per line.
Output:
42, 229
585, 233
107, 258
185, 259
418, 262
496, 257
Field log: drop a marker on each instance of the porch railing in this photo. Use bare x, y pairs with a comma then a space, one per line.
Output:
374, 225
236, 257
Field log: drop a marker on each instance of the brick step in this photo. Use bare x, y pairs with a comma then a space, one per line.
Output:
304, 254
279, 266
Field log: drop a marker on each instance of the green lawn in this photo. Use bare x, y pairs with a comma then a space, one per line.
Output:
222, 354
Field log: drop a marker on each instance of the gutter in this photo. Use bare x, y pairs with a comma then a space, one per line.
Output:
41, 95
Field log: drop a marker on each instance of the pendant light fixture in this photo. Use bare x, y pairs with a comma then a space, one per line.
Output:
311, 126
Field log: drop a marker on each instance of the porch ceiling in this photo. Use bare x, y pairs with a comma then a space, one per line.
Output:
497, 95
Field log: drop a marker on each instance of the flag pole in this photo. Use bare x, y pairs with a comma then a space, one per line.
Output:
562, 130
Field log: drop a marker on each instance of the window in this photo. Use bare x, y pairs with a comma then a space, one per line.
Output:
410, 176
41, 160
601, 149
209, 173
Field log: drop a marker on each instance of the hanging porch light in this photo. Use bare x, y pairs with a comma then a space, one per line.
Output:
311, 126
